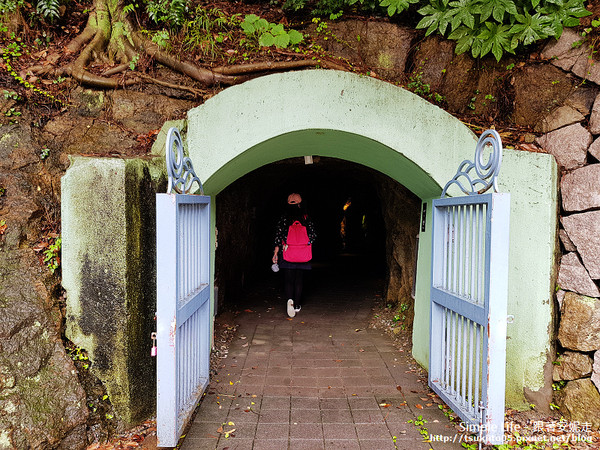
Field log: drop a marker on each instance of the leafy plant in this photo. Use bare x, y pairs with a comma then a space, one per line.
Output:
134, 61
45, 153
52, 255
12, 112
269, 34
9, 6
209, 28
169, 12
13, 51
10, 95
416, 85
161, 38
48, 9
499, 26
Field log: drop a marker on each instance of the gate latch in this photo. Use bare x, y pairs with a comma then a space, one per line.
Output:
153, 350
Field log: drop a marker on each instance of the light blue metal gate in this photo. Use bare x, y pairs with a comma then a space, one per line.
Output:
469, 294
183, 295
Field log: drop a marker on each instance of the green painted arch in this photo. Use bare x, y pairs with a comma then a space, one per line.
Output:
330, 143
326, 113
382, 126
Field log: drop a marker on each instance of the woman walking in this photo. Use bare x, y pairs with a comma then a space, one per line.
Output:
294, 236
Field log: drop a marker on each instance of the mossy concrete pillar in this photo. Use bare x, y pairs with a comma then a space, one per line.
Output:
109, 273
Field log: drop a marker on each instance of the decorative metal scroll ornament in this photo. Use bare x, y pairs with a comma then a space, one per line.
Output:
486, 172
179, 167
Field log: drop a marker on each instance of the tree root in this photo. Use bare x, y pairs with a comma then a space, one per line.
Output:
272, 66
196, 92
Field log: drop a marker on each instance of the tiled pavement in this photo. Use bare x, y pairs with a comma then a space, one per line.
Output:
322, 380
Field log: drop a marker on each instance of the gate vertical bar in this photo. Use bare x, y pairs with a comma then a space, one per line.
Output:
166, 373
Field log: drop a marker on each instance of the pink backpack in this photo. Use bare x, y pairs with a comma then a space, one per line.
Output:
297, 248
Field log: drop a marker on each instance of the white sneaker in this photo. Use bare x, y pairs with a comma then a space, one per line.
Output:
290, 308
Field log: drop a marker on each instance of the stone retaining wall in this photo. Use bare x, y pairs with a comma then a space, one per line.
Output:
572, 137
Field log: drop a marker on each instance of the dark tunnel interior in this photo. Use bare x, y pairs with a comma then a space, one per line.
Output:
346, 202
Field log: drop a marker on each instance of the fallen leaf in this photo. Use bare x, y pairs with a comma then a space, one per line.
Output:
357, 330
428, 404
220, 430
424, 398
419, 406
385, 405
399, 388
248, 310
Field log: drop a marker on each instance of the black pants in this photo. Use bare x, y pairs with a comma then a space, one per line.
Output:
293, 279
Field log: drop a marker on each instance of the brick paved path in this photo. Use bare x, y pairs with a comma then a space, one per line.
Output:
322, 380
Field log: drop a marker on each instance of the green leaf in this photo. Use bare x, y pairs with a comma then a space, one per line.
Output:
277, 29
266, 40
495, 38
281, 40
295, 37
261, 25
435, 19
464, 37
531, 28
463, 12
396, 6
251, 18
497, 9
248, 27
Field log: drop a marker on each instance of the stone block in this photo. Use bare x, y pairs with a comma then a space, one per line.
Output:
568, 145
582, 99
572, 366
382, 46
560, 296
536, 89
596, 370
581, 189
580, 401
109, 273
566, 241
594, 149
560, 117
595, 117
562, 52
571, 53
572, 276
584, 231
580, 323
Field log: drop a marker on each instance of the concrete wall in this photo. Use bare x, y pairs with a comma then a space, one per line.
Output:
376, 124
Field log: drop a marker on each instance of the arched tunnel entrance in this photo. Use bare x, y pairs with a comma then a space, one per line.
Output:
366, 223
248, 148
